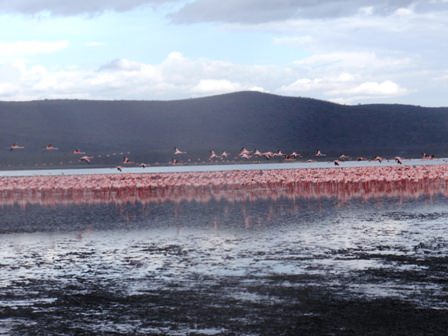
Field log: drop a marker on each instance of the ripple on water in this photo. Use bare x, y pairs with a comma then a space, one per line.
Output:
199, 277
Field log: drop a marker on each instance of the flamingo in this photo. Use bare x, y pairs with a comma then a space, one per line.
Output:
126, 160
51, 147
398, 160
336, 162
245, 156
279, 153
341, 182
319, 153
86, 159
378, 158
244, 151
213, 156
294, 155
78, 152
344, 157
268, 155
257, 153
15, 146
225, 155
428, 156
177, 151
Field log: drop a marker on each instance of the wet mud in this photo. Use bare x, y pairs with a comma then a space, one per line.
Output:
256, 268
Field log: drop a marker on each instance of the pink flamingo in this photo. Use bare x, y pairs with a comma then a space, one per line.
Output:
51, 147
279, 153
268, 155
213, 156
86, 159
244, 151
225, 155
15, 146
378, 158
177, 151
319, 153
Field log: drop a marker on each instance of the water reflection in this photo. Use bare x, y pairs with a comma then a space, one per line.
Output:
343, 192
243, 265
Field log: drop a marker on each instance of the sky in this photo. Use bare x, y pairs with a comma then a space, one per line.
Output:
345, 51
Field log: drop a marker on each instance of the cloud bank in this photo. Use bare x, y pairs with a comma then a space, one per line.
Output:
73, 7
178, 76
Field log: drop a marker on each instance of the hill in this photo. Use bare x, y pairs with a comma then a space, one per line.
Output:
151, 129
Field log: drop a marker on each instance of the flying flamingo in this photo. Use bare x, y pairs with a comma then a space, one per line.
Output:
268, 155
213, 155
319, 153
126, 160
398, 160
344, 157
78, 152
378, 158
279, 153
244, 151
177, 151
225, 155
292, 156
51, 147
15, 146
257, 153
86, 159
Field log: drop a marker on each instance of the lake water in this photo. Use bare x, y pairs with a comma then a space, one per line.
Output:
283, 267
218, 167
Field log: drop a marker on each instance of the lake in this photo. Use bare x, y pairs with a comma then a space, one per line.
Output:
255, 267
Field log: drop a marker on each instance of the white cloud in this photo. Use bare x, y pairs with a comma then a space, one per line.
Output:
386, 88
296, 41
59, 7
212, 86
353, 60
179, 77
175, 77
24, 48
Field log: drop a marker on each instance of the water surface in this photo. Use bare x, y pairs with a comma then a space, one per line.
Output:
283, 267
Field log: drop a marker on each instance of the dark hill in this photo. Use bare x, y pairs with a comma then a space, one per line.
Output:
150, 129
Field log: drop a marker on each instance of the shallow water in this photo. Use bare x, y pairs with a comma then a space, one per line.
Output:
218, 167
245, 268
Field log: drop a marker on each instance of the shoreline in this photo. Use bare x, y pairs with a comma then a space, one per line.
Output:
214, 167
232, 185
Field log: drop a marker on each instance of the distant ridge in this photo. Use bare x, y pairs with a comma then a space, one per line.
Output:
151, 129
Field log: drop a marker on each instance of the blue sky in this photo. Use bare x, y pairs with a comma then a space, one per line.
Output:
345, 51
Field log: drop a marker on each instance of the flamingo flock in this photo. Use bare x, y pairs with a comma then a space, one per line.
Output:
343, 183
180, 156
